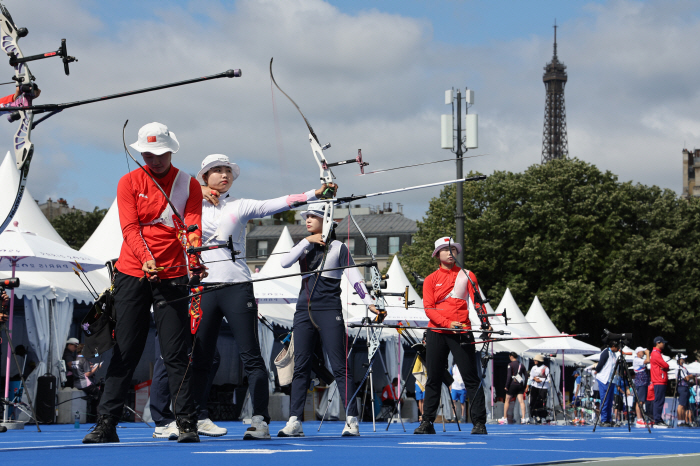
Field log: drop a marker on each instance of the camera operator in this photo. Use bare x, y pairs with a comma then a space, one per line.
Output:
659, 379
641, 380
604, 375
683, 387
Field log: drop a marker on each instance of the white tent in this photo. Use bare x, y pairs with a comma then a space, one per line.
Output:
105, 243
517, 325
48, 296
277, 298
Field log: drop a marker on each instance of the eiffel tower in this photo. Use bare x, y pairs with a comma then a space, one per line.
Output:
555, 144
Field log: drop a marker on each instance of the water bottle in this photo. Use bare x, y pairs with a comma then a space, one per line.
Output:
77, 420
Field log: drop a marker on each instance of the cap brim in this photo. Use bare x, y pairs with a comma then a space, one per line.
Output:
235, 170
443, 246
159, 150
307, 213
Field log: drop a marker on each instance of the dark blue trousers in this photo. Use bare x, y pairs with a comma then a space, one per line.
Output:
659, 400
607, 402
160, 393
333, 339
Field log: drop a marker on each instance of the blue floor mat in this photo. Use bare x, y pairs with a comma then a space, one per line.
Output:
504, 445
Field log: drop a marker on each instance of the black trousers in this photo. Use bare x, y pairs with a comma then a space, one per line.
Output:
538, 401
160, 390
237, 304
132, 304
333, 339
438, 347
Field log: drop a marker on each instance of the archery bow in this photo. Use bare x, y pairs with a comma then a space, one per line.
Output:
21, 143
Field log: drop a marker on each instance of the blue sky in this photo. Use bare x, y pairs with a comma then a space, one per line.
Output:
368, 74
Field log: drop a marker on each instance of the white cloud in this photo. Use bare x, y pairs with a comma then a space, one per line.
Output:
373, 81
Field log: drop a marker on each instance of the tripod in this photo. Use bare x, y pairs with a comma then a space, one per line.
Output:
620, 370
21, 376
560, 398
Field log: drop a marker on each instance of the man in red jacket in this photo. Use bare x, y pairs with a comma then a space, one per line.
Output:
152, 263
659, 379
446, 296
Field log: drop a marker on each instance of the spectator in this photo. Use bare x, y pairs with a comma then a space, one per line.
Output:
459, 393
84, 378
420, 395
539, 388
683, 384
604, 375
69, 356
389, 394
515, 387
659, 379
641, 381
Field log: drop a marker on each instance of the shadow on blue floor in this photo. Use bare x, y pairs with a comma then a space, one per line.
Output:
504, 445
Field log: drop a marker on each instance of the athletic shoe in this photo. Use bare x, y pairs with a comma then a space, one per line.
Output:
188, 430
208, 428
352, 427
525, 420
682, 424
640, 424
105, 430
660, 425
503, 421
292, 429
168, 431
425, 427
258, 429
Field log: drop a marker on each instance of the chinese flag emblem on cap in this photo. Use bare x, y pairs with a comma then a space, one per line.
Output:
447, 240
151, 139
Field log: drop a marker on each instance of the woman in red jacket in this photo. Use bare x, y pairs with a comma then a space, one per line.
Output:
446, 295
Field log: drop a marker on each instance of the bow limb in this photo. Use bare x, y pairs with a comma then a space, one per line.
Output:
21, 144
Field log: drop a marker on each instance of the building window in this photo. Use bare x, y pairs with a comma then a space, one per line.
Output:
350, 243
368, 274
372, 242
393, 245
262, 248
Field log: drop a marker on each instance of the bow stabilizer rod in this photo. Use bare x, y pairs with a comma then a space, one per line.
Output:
55, 108
162, 303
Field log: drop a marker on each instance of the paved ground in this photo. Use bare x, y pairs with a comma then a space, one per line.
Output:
505, 445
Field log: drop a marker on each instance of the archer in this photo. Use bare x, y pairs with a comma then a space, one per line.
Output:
326, 323
446, 295
153, 232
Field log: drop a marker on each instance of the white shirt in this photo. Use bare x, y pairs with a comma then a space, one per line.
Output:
458, 383
541, 372
229, 218
638, 363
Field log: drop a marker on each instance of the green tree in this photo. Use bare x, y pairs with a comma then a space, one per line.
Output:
597, 252
76, 227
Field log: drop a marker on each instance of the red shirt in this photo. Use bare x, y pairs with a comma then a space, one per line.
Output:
389, 393
436, 287
659, 368
140, 201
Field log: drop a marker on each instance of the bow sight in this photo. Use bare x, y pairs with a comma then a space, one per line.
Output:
62, 52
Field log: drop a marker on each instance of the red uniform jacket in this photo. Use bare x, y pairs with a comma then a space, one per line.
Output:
442, 312
659, 368
140, 201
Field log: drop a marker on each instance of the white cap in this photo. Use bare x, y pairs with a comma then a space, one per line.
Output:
72, 341
156, 139
217, 160
682, 356
313, 209
444, 242
639, 348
